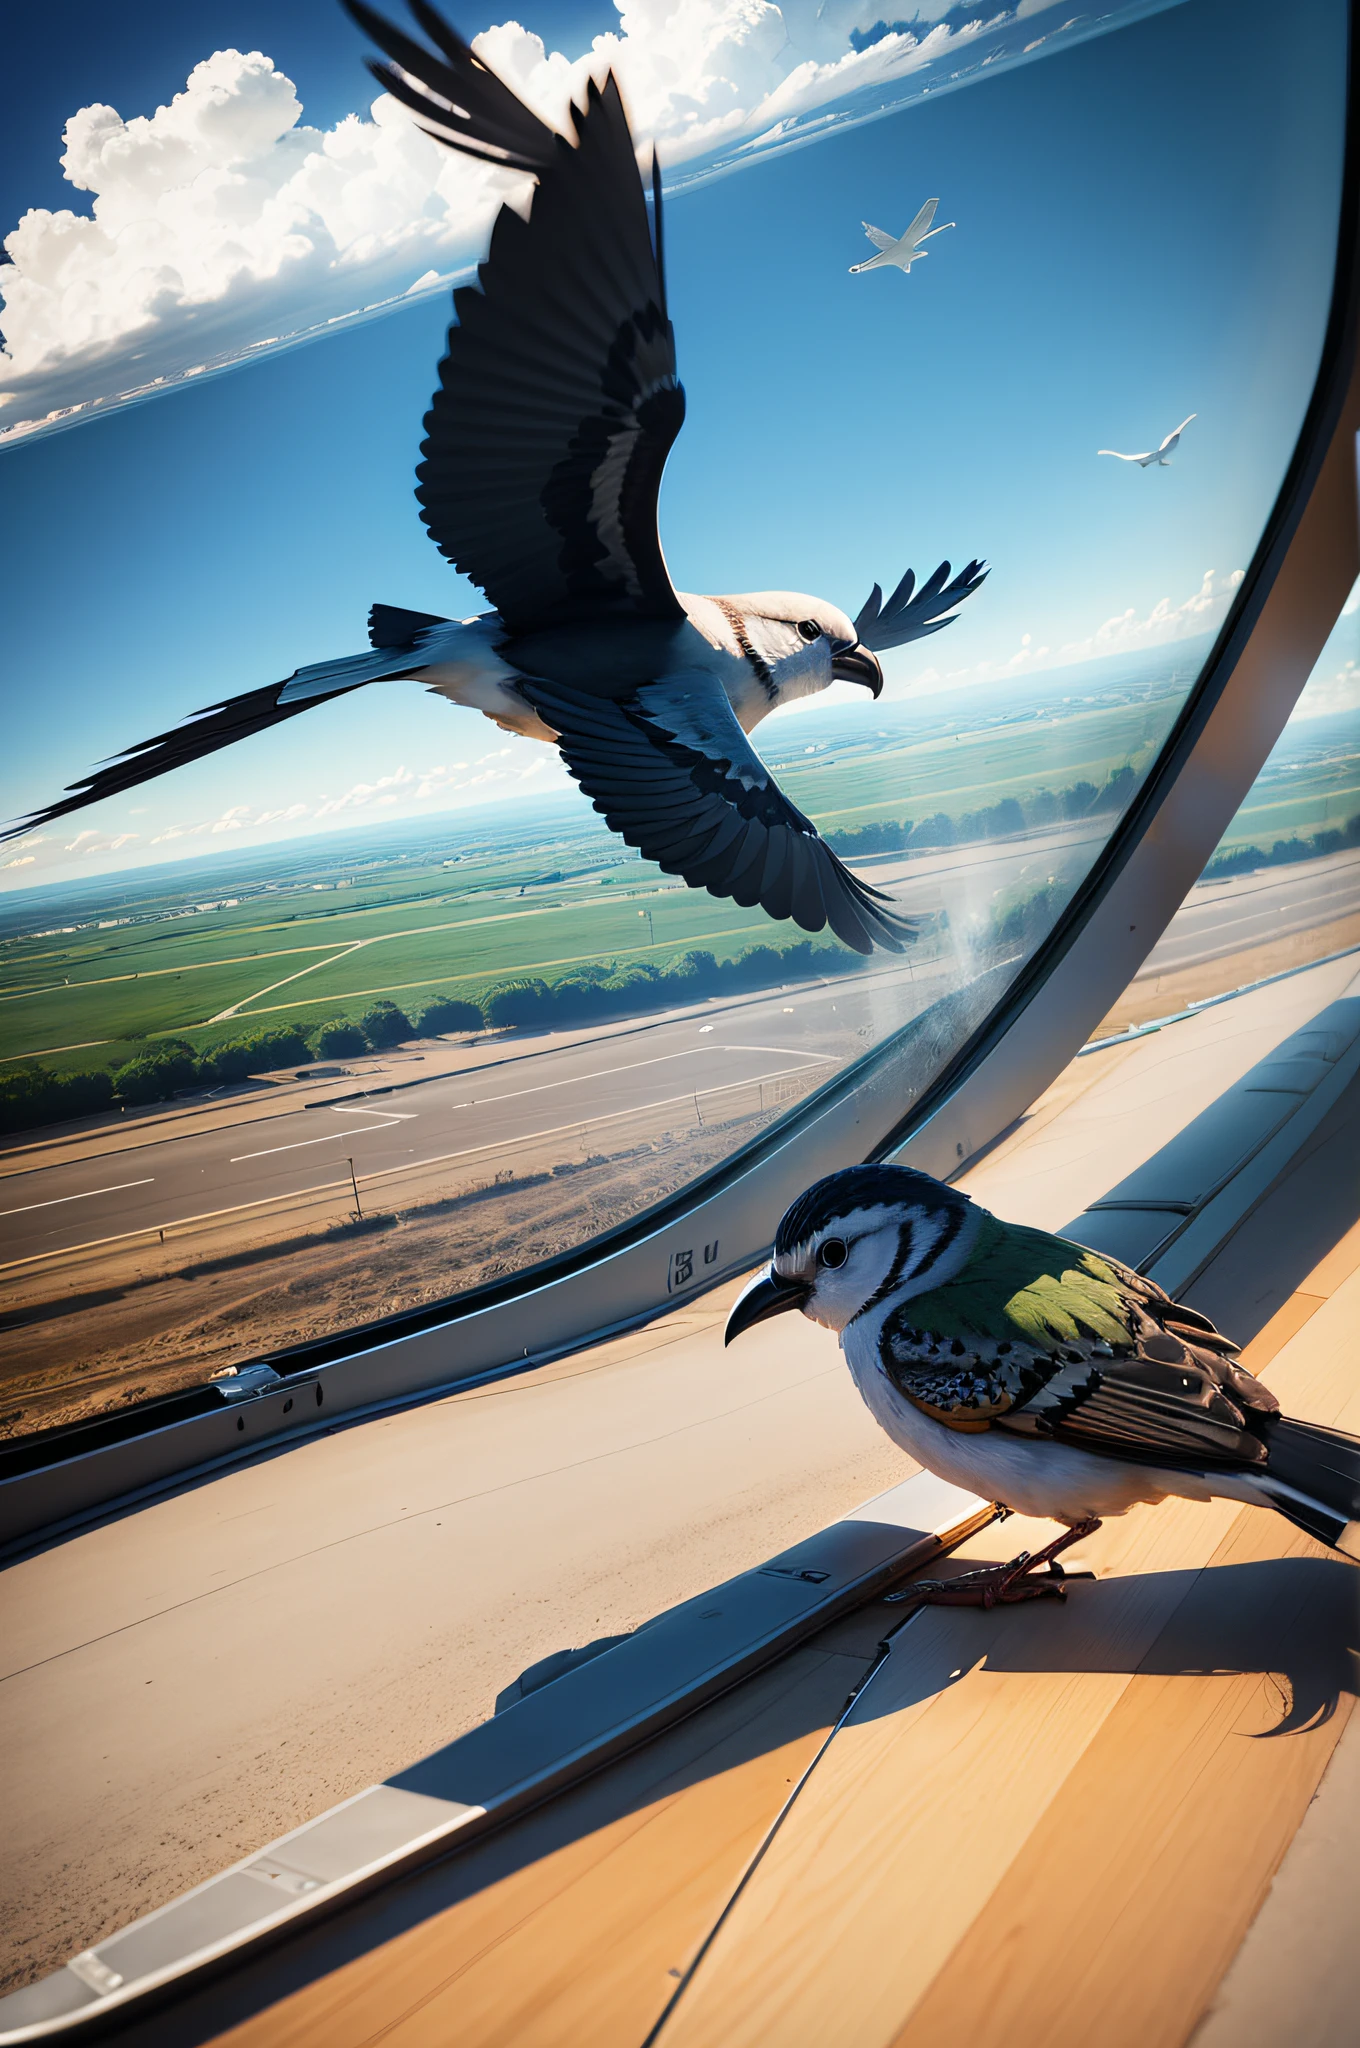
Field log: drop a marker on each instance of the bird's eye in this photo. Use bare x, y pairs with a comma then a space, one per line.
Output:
809, 629
833, 1253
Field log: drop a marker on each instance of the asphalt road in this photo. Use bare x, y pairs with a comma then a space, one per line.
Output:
580, 1090
1227, 917
558, 1093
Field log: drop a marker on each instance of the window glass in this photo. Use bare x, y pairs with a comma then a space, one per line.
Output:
372, 1007
1283, 887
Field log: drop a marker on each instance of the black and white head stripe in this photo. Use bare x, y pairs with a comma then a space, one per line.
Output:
836, 1197
763, 672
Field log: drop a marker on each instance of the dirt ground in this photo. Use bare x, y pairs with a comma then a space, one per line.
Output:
153, 1319
1162, 995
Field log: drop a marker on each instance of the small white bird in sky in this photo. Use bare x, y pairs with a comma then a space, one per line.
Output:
1041, 1375
557, 405
1161, 455
900, 253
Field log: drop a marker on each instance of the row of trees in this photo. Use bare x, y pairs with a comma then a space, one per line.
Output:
993, 821
1242, 859
30, 1095
595, 993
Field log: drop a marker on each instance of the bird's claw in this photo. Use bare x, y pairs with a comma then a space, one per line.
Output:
998, 1585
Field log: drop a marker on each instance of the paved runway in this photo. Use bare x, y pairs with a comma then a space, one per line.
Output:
562, 1091
1227, 917
795, 1034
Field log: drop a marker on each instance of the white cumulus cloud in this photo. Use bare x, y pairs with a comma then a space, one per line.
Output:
1327, 693
222, 223
1127, 632
234, 819
1204, 610
285, 816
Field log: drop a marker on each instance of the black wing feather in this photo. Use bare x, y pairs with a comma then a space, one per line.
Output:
221, 725
906, 617
689, 792
558, 399
465, 103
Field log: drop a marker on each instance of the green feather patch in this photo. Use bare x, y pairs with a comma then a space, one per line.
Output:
1027, 1284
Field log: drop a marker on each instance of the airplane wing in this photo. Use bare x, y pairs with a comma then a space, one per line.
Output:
921, 222
674, 775
879, 239
1176, 432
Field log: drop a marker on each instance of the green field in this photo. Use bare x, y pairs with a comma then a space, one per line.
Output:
1297, 800
334, 924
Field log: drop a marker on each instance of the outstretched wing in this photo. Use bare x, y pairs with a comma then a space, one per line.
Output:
558, 399
1123, 458
904, 617
921, 222
674, 775
1174, 436
221, 725
877, 236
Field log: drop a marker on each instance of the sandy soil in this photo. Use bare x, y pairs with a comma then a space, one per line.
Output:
153, 1319
1161, 995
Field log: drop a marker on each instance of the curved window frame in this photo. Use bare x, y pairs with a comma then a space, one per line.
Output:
1299, 577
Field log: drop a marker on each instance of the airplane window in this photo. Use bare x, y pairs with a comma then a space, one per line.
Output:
1283, 887
379, 1004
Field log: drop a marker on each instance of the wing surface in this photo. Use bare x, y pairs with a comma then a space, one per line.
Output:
879, 238
672, 773
912, 614
1044, 1338
1176, 432
922, 221
221, 725
558, 399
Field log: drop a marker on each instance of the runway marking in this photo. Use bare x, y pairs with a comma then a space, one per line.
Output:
584, 1123
301, 1144
685, 1052
93, 1244
398, 1116
386, 1173
1171, 958
88, 1196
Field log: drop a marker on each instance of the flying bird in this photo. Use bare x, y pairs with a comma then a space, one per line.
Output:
1161, 456
1049, 1378
902, 251
557, 406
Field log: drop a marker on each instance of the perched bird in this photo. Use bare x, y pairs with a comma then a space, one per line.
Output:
902, 251
557, 406
1049, 1378
1162, 455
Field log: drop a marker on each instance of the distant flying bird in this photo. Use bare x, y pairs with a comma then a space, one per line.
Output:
1160, 455
1048, 1378
557, 406
902, 252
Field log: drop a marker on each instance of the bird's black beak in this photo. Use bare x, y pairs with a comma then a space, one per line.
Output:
768, 1295
855, 664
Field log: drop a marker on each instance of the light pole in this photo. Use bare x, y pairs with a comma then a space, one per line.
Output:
651, 928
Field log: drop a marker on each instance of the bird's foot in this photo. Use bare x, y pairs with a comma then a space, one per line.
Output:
1027, 1577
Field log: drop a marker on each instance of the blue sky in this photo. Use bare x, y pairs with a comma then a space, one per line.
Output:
1145, 230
